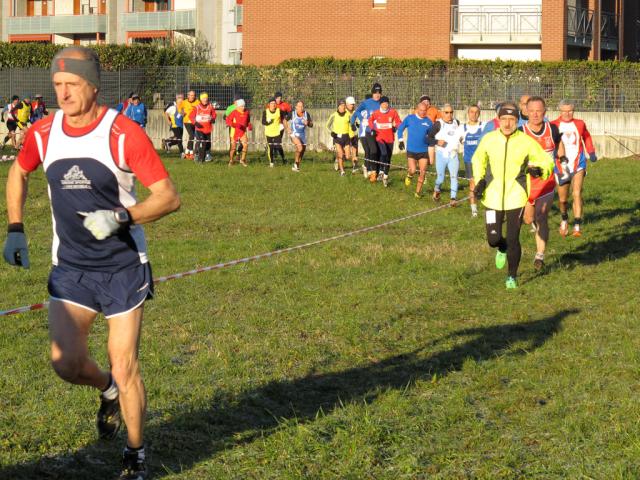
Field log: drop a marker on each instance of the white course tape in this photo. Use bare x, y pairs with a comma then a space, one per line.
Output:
218, 266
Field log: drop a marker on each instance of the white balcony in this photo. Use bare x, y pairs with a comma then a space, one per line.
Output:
167, 20
496, 25
56, 24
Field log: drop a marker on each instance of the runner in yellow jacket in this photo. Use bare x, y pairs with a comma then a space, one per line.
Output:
503, 165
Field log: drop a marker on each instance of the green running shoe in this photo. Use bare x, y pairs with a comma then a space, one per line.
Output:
501, 259
511, 283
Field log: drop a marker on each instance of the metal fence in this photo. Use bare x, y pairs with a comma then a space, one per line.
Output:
614, 90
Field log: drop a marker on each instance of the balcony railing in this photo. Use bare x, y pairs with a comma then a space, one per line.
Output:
56, 24
580, 28
168, 20
496, 24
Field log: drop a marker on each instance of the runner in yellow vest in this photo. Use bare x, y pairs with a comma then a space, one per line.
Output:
271, 120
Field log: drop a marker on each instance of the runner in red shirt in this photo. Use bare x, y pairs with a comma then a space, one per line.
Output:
240, 122
384, 123
203, 116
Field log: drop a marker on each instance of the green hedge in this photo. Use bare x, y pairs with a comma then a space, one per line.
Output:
607, 85
112, 57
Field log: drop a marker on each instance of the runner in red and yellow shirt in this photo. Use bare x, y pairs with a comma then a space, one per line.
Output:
203, 116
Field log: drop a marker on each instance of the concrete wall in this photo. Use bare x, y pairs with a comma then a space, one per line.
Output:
602, 127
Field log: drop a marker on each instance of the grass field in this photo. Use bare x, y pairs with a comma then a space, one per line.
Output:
397, 354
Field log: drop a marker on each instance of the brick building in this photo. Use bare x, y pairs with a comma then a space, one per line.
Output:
440, 29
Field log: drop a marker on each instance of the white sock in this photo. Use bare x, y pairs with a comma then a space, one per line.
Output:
111, 393
474, 208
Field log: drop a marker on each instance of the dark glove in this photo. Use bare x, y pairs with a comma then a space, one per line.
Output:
393, 129
401, 144
197, 125
270, 122
374, 133
535, 172
480, 188
354, 128
334, 135
593, 158
15, 247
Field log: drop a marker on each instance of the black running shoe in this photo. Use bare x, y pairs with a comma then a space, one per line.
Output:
133, 466
108, 419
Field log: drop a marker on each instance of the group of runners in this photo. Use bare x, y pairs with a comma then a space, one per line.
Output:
92, 157
434, 137
18, 115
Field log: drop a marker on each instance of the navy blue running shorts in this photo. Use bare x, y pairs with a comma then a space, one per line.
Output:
112, 294
417, 155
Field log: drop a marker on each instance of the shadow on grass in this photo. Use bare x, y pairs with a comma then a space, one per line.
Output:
189, 436
624, 241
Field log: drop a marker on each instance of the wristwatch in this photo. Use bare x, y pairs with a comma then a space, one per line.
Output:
122, 216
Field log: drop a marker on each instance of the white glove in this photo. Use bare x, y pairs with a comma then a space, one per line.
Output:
101, 223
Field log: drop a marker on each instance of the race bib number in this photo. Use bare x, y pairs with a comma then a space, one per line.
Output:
491, 217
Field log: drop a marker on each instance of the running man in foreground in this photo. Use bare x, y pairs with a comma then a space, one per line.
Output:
418, 126
91, 156
578, 144
502, 165
542, 191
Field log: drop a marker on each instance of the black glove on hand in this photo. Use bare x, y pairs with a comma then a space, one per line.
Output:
354, 128
479, 190
401, 145
15, 247
197, 125
270, 122
535, 172
334, 135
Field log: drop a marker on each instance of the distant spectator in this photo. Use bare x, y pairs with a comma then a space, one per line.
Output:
137, 111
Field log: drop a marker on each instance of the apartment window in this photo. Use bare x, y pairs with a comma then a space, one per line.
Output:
88, 7
235, 57
238, 14
379, 3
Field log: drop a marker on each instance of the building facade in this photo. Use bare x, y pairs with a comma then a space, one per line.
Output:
550, 30
82, 22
